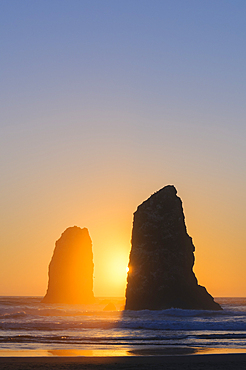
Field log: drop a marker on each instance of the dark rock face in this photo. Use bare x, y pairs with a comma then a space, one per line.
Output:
71, 269
162, 257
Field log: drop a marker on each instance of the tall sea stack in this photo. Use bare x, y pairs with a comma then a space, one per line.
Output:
71, 269
162, 257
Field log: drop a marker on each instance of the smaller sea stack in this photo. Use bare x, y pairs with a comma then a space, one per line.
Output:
71, 269
162, 257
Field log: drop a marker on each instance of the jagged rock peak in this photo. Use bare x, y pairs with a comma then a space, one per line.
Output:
71, 269
162, 257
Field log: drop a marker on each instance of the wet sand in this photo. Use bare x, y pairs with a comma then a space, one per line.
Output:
188, 362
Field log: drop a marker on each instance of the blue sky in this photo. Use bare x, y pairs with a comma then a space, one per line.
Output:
105, 102
183, 58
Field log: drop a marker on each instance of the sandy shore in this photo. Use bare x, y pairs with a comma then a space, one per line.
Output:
190, 362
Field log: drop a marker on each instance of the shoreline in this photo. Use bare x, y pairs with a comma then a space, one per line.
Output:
167, 351
168, 362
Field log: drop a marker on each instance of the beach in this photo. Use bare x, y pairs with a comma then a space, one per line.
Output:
34, 335
190, 362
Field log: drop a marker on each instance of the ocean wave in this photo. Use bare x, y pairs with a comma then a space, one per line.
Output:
150, 324
138, 340
185, 325
28, 314
15, 315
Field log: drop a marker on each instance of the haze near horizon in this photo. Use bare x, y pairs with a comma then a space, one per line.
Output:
102, 104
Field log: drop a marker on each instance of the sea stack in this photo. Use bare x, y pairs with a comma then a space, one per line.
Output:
162, 257
71, 269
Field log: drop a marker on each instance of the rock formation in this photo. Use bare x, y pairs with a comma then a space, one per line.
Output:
71, 269
162, 257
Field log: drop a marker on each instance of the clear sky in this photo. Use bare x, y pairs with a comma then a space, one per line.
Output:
104, 102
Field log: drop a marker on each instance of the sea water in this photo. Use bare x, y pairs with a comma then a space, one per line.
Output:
29, 327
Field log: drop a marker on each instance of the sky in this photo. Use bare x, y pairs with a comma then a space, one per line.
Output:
104, 102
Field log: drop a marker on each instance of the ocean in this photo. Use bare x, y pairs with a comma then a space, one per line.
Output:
31, 328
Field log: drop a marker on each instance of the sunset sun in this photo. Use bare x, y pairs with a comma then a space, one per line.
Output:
118, 269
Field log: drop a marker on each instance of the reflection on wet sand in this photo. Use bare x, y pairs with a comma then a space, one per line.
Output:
71, 352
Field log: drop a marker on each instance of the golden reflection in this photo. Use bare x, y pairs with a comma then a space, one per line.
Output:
71, 352
89, 353
118, 352
216, 351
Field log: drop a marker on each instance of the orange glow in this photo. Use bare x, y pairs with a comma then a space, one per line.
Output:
117, 269
111, 271
219, 241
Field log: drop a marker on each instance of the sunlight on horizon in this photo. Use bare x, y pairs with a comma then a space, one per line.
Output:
118, 270
110, 280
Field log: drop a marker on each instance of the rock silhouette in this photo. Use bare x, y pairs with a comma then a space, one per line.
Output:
71, 269
162, 257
